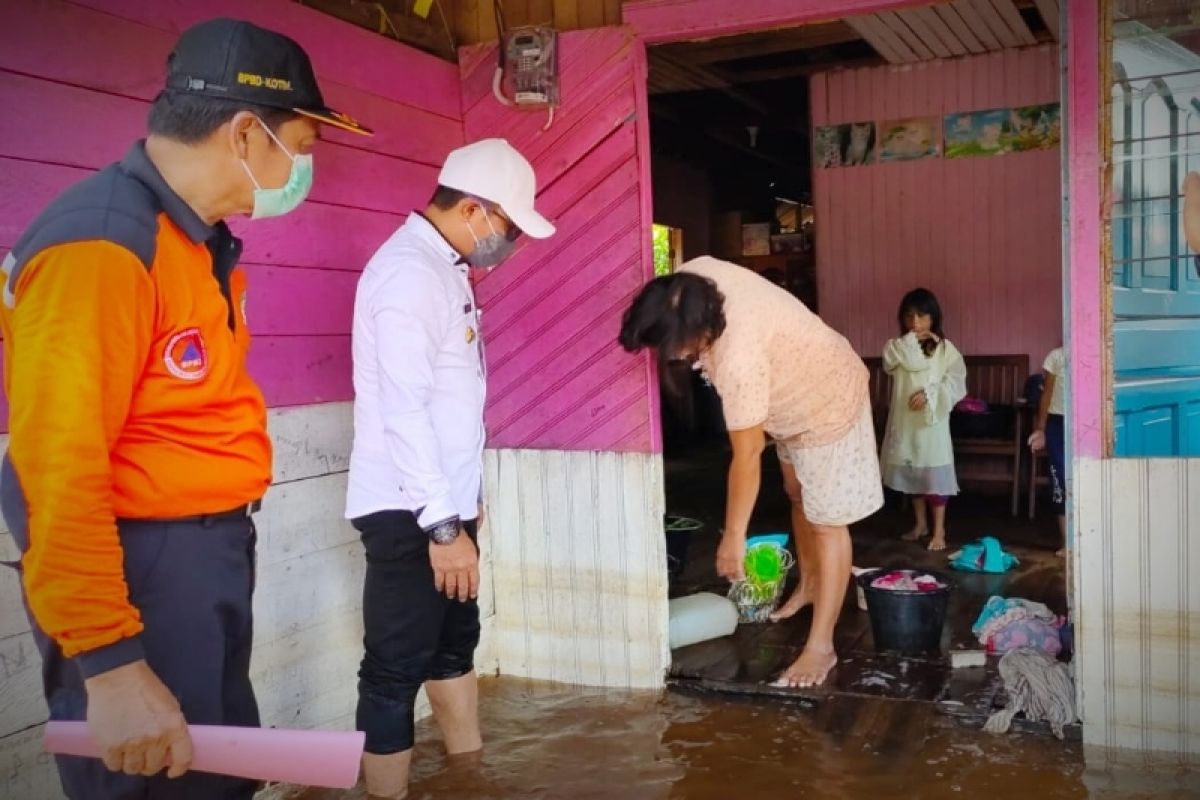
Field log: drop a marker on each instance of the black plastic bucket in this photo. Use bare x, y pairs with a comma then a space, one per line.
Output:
679, 535
909, 623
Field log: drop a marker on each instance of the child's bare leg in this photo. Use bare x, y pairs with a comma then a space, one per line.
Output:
921, 528
939, 526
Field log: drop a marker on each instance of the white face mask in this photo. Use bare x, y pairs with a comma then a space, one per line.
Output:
490, 250
277, 202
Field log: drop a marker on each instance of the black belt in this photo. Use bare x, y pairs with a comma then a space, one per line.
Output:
241, 512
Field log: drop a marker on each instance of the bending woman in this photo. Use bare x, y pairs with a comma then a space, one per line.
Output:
780, 371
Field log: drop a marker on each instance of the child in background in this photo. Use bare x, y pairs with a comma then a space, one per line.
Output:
928, 379
1049, 433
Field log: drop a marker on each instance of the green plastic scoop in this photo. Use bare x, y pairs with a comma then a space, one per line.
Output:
764, 563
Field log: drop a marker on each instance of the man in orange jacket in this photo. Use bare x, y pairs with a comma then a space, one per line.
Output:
138, 444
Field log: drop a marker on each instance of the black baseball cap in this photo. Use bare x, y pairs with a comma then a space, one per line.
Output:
237, 60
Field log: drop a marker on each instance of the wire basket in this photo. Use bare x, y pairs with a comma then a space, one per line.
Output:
756, 600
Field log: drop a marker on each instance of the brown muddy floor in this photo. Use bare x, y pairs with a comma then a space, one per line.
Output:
547, 741
885, 727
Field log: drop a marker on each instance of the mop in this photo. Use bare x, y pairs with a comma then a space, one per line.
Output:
1039, 686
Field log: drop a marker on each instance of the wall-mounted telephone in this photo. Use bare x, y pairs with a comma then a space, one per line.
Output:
527, 75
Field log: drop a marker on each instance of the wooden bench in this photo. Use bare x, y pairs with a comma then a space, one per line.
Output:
1000, 382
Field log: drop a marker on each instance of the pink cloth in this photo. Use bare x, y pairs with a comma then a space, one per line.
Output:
901, 581
1039, 634
1020, 623
971, 405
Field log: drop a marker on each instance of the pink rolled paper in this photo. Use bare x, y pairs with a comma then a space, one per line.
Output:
328, 759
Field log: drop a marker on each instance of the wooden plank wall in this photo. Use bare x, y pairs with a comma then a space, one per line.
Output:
983, 233
91, 67
474, 21
579, 567
557, 378
1137, 554
659, 21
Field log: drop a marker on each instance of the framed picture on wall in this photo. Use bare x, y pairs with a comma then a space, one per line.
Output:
977, 133
827, 147
909, 139
1036, 127
756, 239
848, 145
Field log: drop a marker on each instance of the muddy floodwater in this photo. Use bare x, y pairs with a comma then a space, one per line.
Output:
549, 741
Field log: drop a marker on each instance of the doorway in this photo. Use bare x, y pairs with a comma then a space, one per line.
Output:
850, 163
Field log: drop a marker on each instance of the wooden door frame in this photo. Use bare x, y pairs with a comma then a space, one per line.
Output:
663, 21
1084, 322
1085, 291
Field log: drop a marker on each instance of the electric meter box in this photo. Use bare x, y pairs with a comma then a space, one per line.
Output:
529, 60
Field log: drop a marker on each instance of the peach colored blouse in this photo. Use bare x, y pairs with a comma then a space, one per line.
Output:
777, 364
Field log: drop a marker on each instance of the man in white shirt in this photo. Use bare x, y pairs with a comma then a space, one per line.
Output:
415, 485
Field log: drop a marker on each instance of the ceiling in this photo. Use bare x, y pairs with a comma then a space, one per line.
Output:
944, 30
958, 28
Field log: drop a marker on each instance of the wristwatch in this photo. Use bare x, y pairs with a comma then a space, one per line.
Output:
445, 532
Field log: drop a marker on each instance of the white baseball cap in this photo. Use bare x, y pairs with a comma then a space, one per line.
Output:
493, 170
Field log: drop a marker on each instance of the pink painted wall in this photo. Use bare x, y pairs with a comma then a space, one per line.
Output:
85, 72
557, 378
984, 233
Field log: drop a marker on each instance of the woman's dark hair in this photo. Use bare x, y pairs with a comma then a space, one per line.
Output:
670, 314
191, 118
922, 301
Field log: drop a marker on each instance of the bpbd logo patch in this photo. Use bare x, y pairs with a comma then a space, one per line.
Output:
185, 355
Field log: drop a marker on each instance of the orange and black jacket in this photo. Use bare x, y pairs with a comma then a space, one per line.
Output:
125, 367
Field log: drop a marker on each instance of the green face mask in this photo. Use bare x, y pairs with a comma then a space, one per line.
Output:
277, 202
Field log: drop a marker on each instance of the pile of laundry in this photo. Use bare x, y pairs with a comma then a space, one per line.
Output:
1007, 624
905, 580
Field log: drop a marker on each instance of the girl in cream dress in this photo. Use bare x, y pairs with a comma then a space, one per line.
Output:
928, 379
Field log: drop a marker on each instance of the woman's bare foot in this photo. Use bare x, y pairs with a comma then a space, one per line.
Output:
937, 543
810, 669
916, 534
1061, 552
800, 598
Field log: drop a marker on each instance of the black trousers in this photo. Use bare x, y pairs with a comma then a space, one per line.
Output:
1056, 449
413, 633
192, 582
